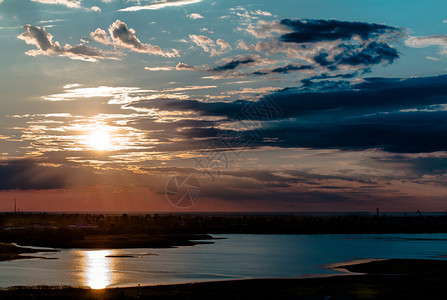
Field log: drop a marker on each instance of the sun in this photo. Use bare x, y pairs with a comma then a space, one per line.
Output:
100, 139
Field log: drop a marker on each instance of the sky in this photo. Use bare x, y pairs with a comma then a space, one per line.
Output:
197, 105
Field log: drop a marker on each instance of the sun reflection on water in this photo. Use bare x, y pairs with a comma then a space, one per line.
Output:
98, 272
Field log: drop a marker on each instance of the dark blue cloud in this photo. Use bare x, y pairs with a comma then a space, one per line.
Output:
334, 98
284, 70
341, 98
390, 114
311, 31
28, 175
395, 132
355, 55
373, 53
247, 60
233, 64
354, 44
410, 167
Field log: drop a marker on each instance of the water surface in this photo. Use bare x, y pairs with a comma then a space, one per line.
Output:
235, 257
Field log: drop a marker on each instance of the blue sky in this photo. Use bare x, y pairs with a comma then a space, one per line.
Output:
327, 105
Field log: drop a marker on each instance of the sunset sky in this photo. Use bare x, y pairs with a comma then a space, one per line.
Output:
300, 105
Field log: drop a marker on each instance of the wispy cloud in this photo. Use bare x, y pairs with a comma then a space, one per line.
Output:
428, 40
247, 16
69, 4
160, 4
159, 68
73, 92
208, 45
190, 88
51, 21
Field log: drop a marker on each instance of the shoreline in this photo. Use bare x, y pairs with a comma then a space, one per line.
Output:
11, 251
107, 241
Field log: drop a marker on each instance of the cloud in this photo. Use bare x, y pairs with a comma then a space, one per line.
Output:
124, 37
254, 60
229, 64
101, 36
262, 13
74, 92
94, 8
43, 40
395, 115
208, 45
28, 175
161, 4
409, 166
51, 21
370, 54
195, 16
190, 88
69, 4
331, 45
233, 64
429, 40
396, 132
257, 91
311, 31
223, 45
159, 68
202, 41
265, 29
246, 15
230, 110
283, 70
71, 85
204, 29
401, 115
182, 66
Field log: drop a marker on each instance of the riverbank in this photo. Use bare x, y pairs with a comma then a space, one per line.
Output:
11, 252
115, 241
121, 241
386, 279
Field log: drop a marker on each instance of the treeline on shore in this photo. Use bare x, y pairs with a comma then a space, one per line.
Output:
212, 224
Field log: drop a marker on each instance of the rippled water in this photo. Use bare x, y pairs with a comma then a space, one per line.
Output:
235, 257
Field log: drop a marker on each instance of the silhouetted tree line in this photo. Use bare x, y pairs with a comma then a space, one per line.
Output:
76, 226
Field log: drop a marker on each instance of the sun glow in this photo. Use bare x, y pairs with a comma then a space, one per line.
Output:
100, 139
98, 273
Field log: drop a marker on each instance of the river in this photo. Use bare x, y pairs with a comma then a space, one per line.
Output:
234, 256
